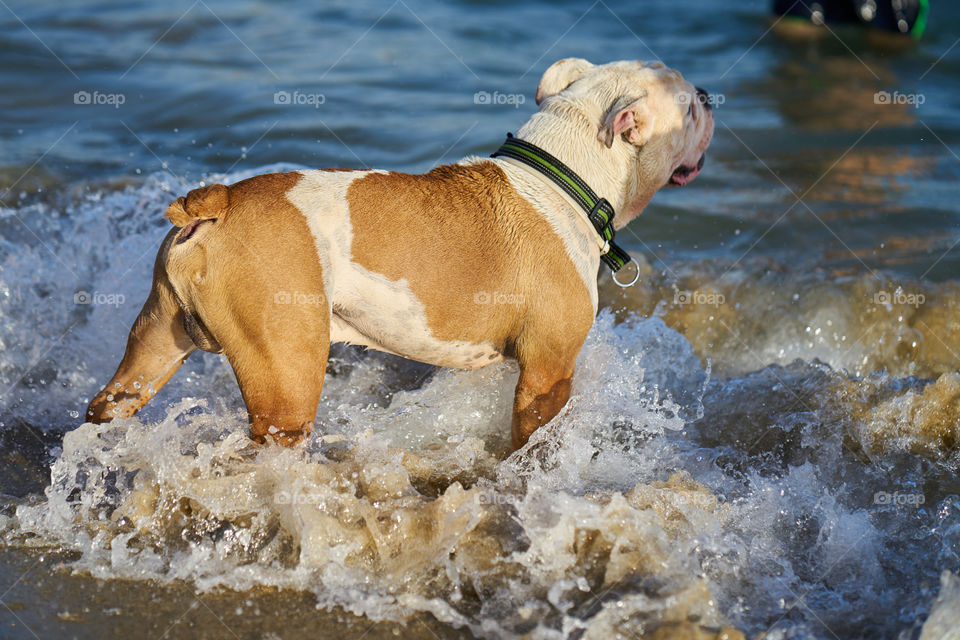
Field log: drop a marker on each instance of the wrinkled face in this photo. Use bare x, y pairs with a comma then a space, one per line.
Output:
646, 108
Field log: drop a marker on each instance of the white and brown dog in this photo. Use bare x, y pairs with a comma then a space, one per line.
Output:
460, 267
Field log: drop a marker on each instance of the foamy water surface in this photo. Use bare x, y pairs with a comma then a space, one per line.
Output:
801, 499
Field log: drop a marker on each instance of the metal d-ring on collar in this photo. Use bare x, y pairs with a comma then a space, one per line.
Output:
598, 210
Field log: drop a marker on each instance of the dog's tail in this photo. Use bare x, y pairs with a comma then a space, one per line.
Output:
206, 203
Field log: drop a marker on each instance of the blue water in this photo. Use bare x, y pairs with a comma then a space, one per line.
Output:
398, 83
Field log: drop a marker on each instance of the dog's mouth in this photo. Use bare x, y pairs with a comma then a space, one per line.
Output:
684, 174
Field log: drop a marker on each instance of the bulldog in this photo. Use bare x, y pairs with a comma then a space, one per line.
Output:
463, 266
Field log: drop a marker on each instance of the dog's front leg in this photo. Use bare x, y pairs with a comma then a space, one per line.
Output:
541, 394
546, 360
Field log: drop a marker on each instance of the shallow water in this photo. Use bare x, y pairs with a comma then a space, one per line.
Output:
763, 435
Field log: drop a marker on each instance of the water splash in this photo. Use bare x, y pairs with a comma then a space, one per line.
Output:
791, 498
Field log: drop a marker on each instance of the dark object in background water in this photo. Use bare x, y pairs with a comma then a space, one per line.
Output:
908, 17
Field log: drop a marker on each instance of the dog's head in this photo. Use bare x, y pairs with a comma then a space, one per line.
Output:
644, 115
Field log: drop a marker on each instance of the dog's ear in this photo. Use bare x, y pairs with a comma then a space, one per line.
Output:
631, 117
561, 75
200, 204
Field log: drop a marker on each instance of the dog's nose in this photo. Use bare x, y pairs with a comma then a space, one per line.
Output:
704, 98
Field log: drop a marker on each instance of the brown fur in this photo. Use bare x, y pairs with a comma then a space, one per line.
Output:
459, 230
229, 277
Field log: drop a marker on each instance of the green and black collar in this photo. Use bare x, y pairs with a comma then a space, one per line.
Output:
598, 210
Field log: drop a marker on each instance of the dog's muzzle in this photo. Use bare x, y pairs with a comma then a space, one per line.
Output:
683, 174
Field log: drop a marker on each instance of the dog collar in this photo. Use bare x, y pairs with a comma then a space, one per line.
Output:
599, 212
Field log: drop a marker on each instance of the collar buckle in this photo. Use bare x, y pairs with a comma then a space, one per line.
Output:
601, 217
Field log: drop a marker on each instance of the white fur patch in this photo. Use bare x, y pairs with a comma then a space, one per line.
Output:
368, 308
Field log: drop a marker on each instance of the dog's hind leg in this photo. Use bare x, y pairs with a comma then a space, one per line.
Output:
254, 282
281, 371
157, 346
